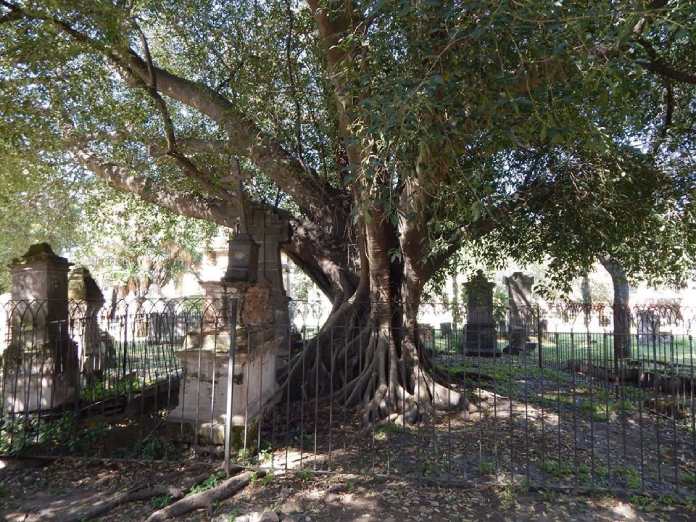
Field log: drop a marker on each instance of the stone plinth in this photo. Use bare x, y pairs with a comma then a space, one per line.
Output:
203, 394
480, 337
519, 288
36, 386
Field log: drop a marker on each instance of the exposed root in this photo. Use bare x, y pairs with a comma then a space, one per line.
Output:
371, 362
138, 493
206, 498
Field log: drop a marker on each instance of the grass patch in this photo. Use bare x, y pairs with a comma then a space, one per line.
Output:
161, 501
486, 467
209, 483
557, 468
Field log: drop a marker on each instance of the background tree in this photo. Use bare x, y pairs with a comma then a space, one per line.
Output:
394, 133
34, 207
131, 246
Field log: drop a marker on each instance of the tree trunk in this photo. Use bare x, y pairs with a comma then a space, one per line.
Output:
622, 312
368, 352
586, 292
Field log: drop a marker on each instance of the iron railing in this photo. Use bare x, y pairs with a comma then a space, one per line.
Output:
563, 411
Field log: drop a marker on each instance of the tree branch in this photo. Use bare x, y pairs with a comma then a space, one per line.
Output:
192, 146
532, 194
246, 139
185, 163
223, 212
666, 119
668, 71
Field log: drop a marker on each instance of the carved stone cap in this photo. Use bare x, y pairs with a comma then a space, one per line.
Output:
479, 281
40, 253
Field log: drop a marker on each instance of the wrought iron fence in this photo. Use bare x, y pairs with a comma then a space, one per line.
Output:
549, 406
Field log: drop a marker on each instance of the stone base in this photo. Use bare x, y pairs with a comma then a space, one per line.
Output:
481, 340
518, 340
527, 347
208, 342
203, 390
213, 434
33, 390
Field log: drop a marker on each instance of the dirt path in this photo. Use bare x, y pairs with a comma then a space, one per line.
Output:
51, 492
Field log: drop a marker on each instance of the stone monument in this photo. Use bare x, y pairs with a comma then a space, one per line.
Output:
87, 300
254, 281
480, 335
270, 231
519, 288
41, 363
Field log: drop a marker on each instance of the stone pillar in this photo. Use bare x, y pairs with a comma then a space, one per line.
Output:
480, 337
270, 231
261, 334
519, 288
42, 359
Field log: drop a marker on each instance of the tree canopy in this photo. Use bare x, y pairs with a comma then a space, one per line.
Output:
392, 133
566, 122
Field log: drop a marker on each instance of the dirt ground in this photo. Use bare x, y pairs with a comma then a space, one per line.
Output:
57, 490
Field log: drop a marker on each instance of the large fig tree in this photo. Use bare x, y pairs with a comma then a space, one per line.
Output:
393, 133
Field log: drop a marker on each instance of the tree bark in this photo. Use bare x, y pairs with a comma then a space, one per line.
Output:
621, 308
368, 352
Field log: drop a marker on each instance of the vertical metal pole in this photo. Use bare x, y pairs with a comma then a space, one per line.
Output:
539, 338
125, 343
232, 325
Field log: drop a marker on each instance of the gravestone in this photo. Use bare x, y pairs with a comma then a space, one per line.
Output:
271, 230
87, 300
426, 334
41, 364
261, 335
519, 288
648, 326
480, 336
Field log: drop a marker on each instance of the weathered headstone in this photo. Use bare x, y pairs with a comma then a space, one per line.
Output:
87, 300
426, 334
519, 288
41, 358
648, 325
480, 336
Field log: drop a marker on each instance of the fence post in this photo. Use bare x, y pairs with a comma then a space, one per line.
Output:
125, 341
540, 341
232, 325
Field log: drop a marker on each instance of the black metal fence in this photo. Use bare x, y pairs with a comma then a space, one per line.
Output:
551, 406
